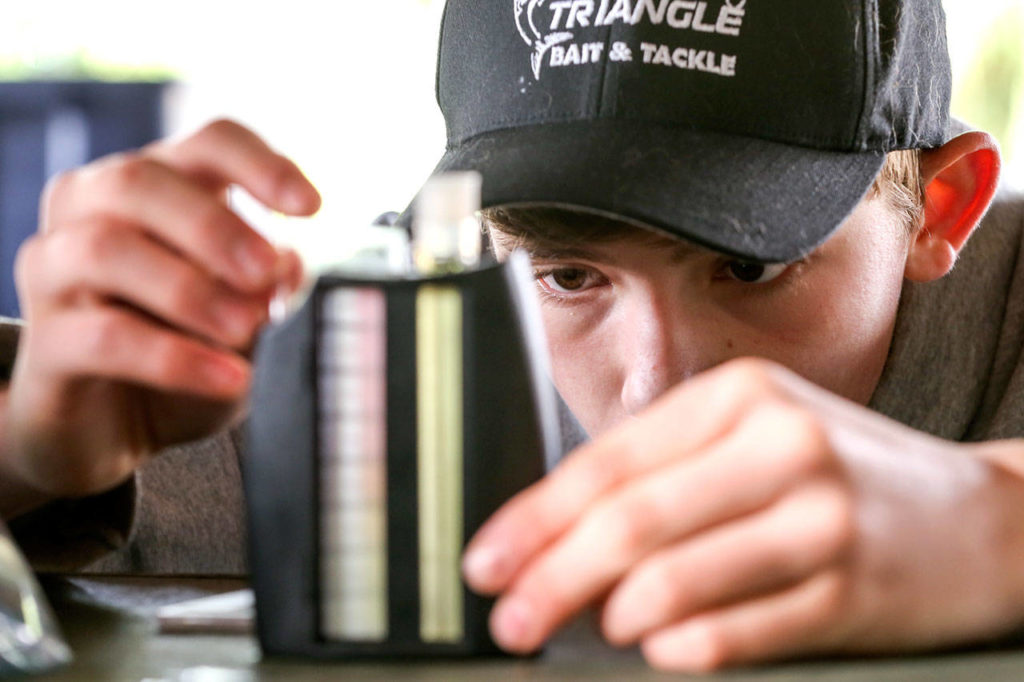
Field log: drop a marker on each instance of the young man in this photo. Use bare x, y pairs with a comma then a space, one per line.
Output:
727, 282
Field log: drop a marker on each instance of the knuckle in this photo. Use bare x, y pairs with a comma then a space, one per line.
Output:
102, 335
664, 584
155, 149
832, 597
586, 474
807, 449
217, 132
209, 226
183, 294
221, 127
26, 261
837, 520
755, 376
623, 526
127, 171
56, 189
94, 245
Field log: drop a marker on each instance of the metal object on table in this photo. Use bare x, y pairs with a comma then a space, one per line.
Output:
30, 641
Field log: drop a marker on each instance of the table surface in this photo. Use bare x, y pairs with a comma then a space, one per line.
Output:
109, 624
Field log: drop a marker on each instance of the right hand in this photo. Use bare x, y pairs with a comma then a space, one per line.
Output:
143, 293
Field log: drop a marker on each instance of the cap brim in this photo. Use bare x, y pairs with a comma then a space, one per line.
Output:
751, 198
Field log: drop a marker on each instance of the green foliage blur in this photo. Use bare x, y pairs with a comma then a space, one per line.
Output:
991, 96
78, 65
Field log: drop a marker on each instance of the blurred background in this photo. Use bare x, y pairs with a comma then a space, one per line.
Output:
348, 94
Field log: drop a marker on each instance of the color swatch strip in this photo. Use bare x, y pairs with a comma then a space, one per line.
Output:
353, 467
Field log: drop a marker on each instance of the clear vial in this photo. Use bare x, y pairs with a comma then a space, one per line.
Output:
446, 225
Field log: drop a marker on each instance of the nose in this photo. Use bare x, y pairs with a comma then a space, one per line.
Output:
656, 352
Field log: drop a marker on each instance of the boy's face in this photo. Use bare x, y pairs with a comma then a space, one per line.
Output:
628, 319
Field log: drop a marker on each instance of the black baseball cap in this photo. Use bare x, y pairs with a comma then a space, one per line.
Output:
752, 127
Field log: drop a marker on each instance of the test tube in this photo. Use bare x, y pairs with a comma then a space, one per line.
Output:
446, 239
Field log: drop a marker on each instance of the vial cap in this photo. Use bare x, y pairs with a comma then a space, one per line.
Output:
449, 197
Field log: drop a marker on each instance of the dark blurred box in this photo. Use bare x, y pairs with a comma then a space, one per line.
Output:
50, 126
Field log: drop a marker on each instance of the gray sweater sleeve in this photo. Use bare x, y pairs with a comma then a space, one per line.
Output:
955, 368
68, 535
1001, 411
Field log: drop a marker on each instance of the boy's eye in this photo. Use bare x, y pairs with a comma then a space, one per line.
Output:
754, 273
567, 280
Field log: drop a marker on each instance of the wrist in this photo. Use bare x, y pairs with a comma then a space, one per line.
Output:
1007, 505
17, 496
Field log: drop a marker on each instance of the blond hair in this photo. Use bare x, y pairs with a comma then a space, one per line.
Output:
900, 183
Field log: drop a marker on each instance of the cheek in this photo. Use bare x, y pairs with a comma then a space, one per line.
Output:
836, 328
583, 368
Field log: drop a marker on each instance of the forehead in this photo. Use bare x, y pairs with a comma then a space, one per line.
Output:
554, 234
675, 250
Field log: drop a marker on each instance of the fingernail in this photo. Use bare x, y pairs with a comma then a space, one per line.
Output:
685, 650
617, 622
512, 625
297, 198
256, 260
284, 267
482, 568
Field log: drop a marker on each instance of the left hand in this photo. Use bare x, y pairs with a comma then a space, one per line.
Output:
749, 515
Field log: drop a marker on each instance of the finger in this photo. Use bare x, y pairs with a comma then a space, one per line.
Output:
799, 620
112, 343
223, 153
122, 263
669, 429
143, 192
291, 269
735, 476
788, 542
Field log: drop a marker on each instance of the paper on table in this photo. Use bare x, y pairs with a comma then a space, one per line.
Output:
228, 613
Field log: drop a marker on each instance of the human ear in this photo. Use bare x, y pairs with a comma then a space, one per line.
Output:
960, 179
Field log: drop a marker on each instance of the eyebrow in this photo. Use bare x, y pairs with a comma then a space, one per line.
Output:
680, 251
